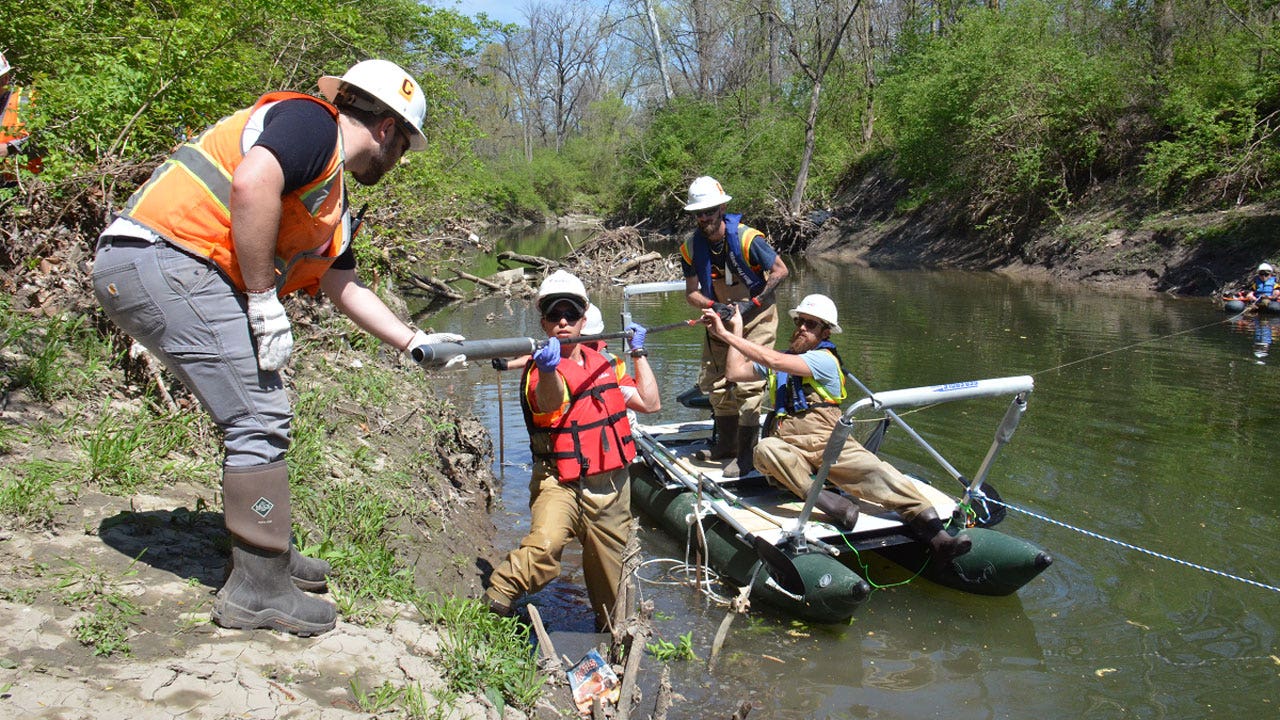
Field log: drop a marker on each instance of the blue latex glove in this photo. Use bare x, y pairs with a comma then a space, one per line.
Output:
548, 356
638, 332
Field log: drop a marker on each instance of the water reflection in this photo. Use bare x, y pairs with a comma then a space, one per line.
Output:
1258, 328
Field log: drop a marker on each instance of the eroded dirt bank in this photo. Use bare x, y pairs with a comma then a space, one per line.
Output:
1103, 241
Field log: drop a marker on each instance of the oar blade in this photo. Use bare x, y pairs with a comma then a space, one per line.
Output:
780, 567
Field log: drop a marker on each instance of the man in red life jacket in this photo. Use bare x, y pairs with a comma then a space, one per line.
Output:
194, 268
575, 407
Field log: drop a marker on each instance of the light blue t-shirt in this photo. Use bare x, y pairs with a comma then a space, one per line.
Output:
822, 364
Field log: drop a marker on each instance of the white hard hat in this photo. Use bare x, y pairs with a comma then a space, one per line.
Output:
1266, 267
562, 285
595, 321
819, 306
391, 86
705, 192
5, 67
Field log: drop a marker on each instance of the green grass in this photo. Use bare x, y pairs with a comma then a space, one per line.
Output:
410, 701
59, 355
110, 613
29, 491
128, 450
486, 654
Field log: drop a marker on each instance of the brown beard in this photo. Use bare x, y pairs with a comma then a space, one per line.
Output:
710, 226
379, 165
799, 343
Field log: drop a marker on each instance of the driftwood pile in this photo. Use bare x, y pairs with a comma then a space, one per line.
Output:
617, 256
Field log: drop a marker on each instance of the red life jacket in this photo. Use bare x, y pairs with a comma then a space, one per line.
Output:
591, 436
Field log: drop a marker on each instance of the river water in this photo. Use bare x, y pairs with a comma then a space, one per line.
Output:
1144, 464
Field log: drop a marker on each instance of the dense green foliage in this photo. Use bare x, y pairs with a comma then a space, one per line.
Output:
1013, 113
1220, 111
748, 145
120, 83
1009, 111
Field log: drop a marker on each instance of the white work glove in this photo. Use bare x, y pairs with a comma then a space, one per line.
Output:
270, 328
457, 362
421, 338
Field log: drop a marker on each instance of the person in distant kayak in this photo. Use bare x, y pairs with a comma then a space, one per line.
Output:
805, 386
1262, 289
196, 264
575, 407
726, 263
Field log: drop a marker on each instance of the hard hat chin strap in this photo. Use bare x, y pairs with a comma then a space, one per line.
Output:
351, 96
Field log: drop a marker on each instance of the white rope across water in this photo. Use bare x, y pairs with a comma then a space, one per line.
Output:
1130, 546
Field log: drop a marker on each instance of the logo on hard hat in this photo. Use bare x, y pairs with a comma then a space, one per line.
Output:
406, 89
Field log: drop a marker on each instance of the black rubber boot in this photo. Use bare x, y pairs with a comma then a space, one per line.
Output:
310, 574
841, 510
260, 594
745, 462
942, 544
726, 445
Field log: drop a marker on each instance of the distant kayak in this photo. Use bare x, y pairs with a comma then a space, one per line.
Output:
1236, 303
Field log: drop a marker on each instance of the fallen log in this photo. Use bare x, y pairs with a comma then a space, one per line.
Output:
459, 275
434, 286
634, 263
533, 260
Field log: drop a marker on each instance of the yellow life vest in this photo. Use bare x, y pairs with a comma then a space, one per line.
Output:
187, 201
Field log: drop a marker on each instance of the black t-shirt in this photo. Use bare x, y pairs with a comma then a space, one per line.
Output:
302, 135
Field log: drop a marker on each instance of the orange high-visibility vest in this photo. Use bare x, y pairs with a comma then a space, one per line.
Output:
13, 128
187, 201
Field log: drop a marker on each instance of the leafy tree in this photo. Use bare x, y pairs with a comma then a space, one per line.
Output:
1008, 112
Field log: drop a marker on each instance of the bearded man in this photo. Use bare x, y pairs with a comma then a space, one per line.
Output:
804, 388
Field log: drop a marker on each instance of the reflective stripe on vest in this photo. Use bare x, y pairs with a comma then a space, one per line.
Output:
187, 202
793, 394
737, 238
594, 435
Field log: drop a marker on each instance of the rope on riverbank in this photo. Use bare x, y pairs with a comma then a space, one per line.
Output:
1129, 546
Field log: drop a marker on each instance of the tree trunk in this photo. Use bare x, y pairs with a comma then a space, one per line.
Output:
806, 157
659, 55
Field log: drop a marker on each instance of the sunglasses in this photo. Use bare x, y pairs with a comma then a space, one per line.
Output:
709, 212
810, 324
556, 314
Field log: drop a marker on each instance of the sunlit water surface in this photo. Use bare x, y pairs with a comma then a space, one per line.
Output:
1153, 424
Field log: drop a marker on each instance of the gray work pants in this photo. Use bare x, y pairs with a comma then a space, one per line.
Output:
187, 314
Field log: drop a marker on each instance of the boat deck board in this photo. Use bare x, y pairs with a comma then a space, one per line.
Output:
769, 513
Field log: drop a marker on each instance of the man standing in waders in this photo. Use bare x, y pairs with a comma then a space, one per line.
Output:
575, 405
727, 263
